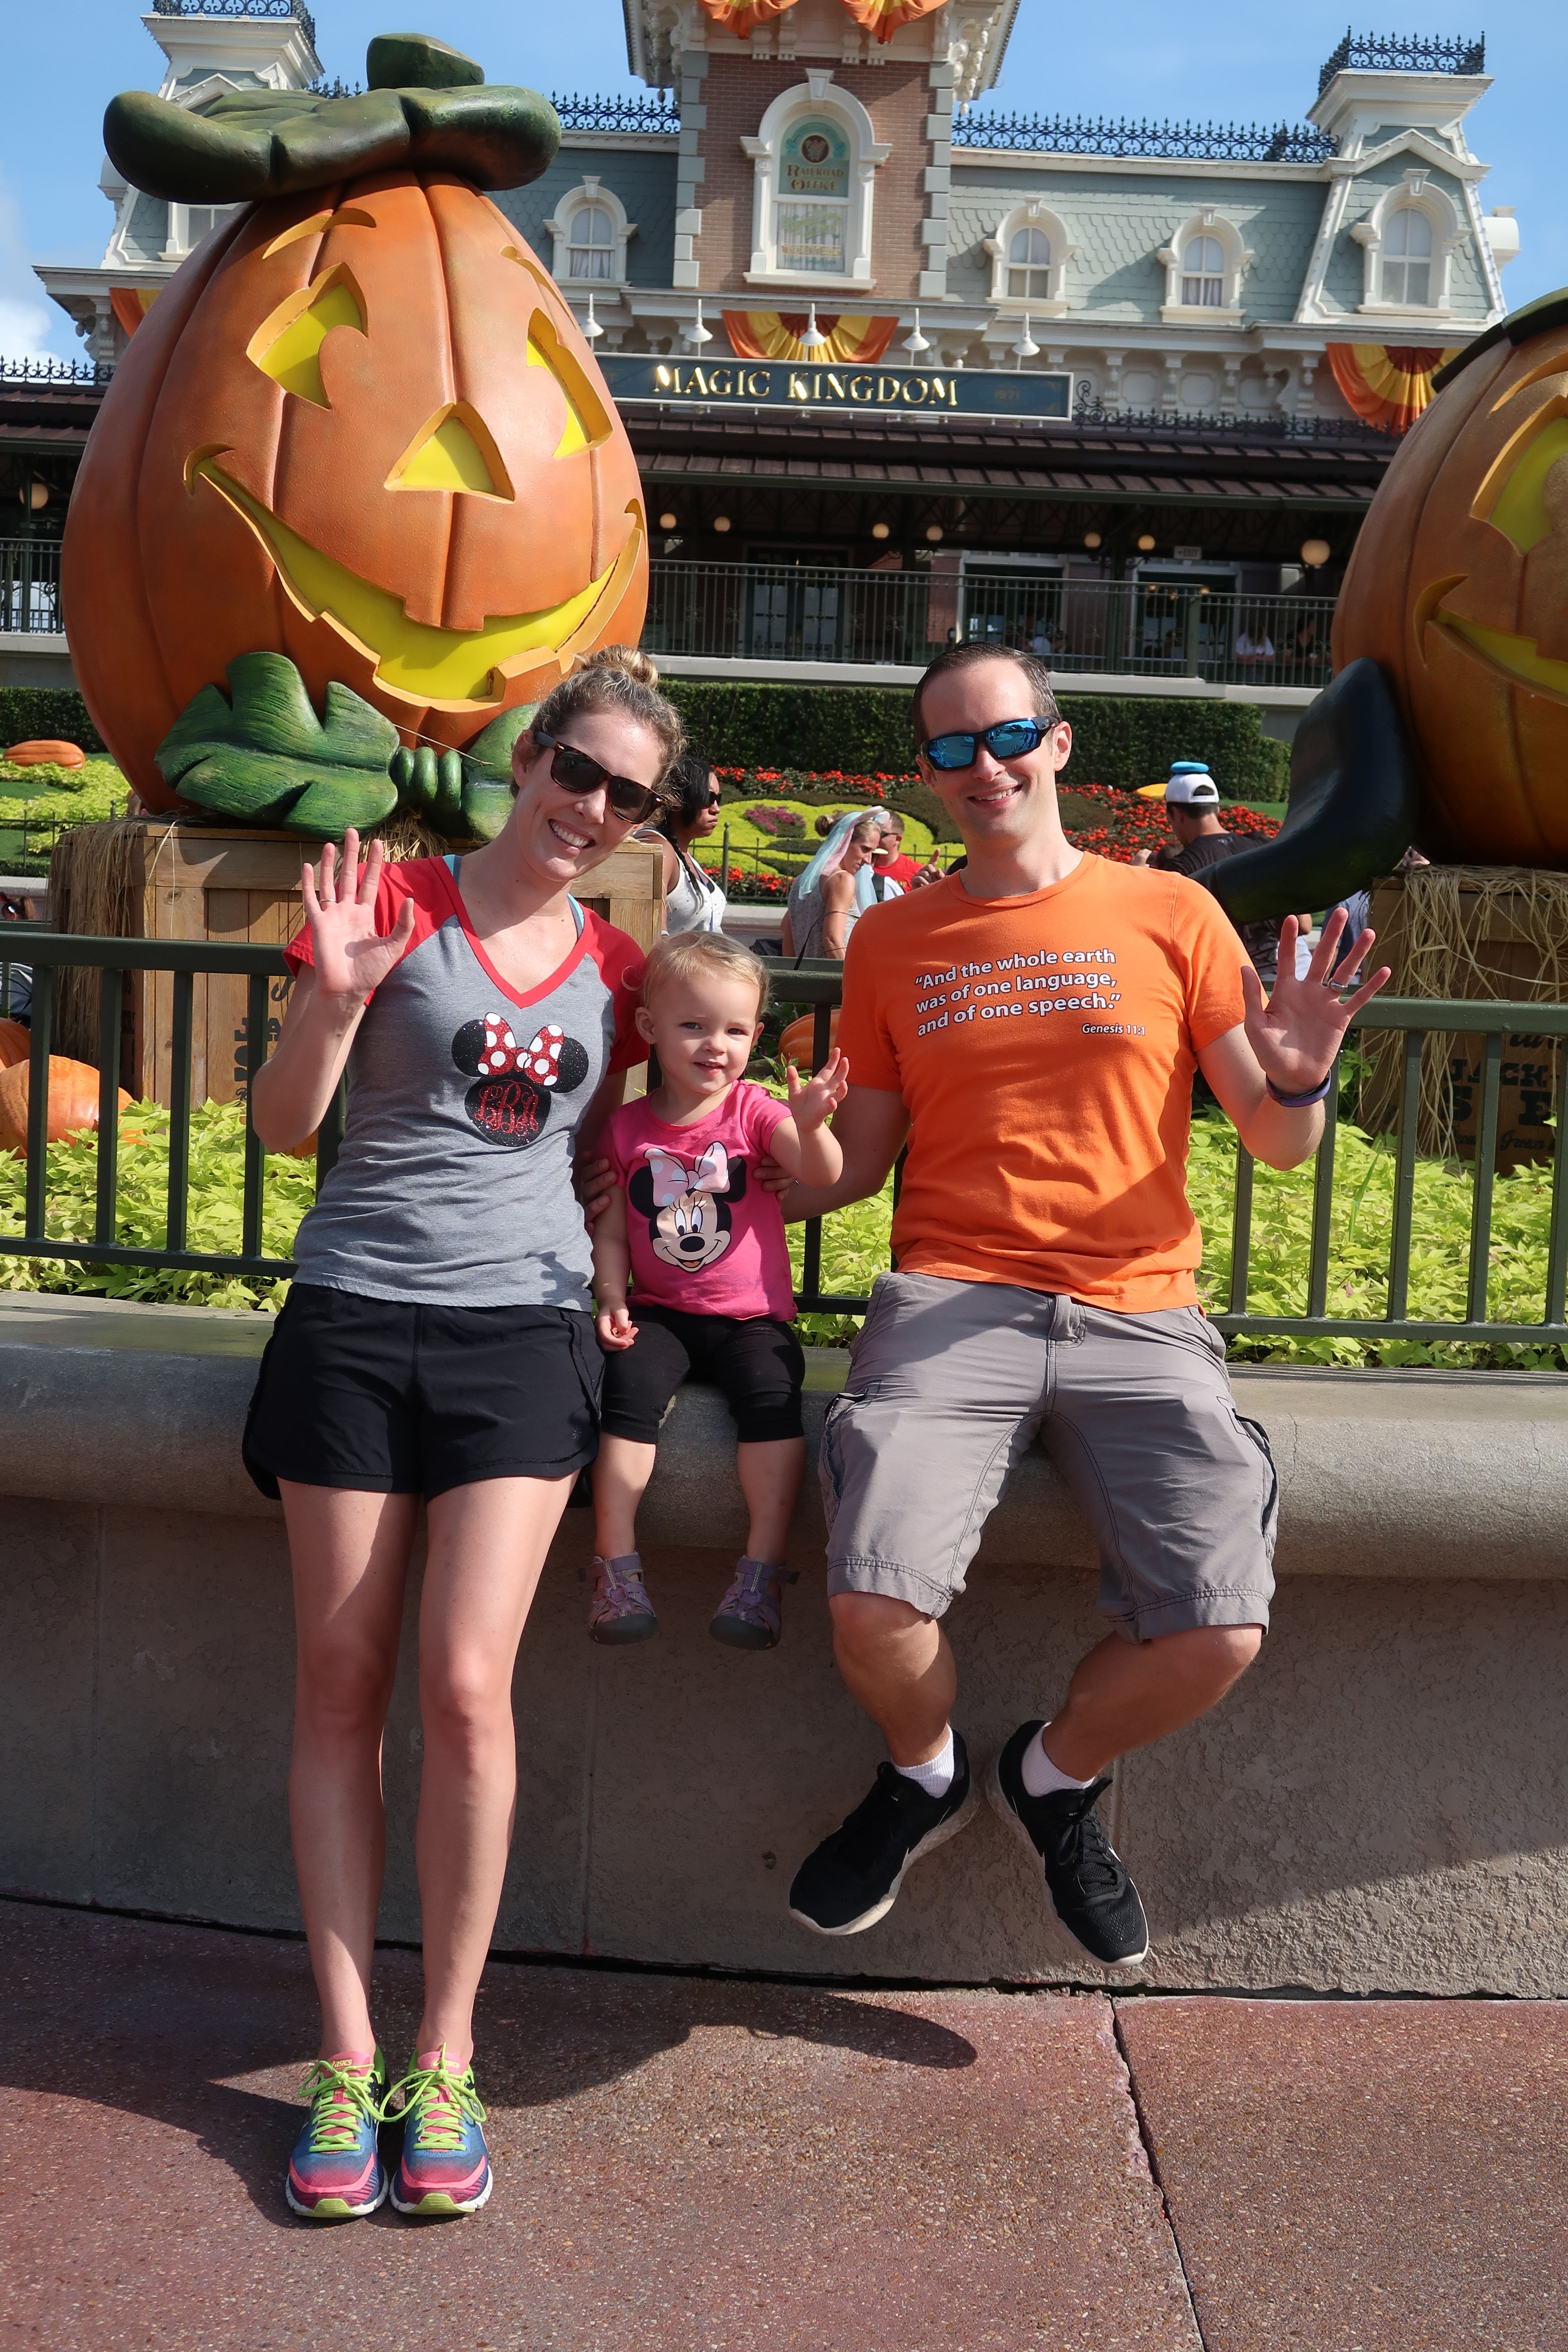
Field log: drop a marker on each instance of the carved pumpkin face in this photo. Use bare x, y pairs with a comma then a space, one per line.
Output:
1458, 586
361, 429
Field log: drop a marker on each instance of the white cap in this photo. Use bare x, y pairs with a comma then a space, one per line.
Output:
1190, 785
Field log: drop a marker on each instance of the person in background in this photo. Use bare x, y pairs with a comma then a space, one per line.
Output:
891, 863
1250, 648
1199, 841
16, 978
822, 909
693, 900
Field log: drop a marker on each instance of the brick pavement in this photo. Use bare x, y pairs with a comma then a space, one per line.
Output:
725, 2166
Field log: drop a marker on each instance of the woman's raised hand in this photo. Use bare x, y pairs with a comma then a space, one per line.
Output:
350, 959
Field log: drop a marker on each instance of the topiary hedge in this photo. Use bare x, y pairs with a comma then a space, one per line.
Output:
864, 730
55, 712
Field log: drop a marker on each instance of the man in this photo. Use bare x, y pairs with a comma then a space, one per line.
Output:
1032, 1025
889, 863
1199, 841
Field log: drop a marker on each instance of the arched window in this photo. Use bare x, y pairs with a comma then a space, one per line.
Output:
1029, 265
1407, 258
815, 155
591, 242
1202, 274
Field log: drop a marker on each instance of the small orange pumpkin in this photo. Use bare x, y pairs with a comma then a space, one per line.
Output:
1459, 588
73, 1102
795, 1041
40, 752
15, 1044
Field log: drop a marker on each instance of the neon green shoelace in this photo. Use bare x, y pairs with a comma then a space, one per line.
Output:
343, 2101
439, 2101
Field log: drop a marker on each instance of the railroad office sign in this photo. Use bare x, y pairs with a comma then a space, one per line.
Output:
781, 383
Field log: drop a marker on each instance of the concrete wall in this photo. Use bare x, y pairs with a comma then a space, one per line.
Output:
1380, 1805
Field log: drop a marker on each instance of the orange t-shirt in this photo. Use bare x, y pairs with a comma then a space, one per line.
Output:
1044, 1047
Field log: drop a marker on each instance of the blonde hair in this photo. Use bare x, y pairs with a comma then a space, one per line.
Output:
621, 678
696, 955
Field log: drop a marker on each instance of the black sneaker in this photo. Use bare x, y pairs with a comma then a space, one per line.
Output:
1087, 1883
853, 1878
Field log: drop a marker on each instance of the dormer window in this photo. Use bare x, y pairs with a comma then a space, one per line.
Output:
591, 242
1029, 265
1407, 258
814, 197
1202, 274
189, 224
815, 156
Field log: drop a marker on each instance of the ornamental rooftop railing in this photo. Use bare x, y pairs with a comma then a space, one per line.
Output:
658, 113
818, 987
1208, 142
49, 370
273, 9
1399, 53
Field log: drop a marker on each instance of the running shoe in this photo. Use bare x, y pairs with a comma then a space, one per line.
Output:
618, 1607
853, 1878
751, 1615
335, 2173
445, 2167
1086, 1884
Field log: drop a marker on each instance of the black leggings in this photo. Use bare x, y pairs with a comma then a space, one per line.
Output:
754, 1362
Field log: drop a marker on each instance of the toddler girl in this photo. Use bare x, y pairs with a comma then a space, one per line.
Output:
704, 1245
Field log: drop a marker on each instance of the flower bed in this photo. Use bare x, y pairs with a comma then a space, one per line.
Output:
1132, 823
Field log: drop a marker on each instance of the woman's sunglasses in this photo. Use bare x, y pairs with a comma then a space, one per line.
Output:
1009, 740
578, 774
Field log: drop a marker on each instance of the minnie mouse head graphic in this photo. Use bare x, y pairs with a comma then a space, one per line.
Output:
688, 1221
510, 1101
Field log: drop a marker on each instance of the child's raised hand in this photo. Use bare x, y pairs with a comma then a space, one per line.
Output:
615, 1328
810, 1104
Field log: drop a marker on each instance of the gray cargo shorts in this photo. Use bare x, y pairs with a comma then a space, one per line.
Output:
950, 1381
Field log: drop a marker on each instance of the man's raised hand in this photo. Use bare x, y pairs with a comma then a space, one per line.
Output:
350, 959
1298, 1033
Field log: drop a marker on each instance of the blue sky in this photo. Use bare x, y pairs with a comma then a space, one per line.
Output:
1226, 62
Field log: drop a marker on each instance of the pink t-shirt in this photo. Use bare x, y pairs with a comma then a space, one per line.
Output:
705, 1236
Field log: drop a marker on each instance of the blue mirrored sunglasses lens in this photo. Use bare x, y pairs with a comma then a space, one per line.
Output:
1014, 735
951, 750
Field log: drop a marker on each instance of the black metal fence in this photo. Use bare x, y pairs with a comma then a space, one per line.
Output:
818, 988
1169, 628
30, 586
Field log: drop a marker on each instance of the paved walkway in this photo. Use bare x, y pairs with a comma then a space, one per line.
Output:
692, 2165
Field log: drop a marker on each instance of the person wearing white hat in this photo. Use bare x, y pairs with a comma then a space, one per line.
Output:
1199, 840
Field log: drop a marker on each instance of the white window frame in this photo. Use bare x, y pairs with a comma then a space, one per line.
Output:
590, 191
1237, 260
1032, 214
179, 231
1414, 192
817, 95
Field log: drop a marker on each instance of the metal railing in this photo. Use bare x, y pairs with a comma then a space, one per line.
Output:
659, 113
1167, 628
267, 8
30, 587
1230, 142
819, 987
1400, 53
78, 371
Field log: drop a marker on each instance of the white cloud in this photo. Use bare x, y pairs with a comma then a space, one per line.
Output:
31, 326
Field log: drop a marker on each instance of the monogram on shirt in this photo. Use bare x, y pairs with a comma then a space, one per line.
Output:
515, 1085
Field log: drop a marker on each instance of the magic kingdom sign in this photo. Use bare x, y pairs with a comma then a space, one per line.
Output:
882, 391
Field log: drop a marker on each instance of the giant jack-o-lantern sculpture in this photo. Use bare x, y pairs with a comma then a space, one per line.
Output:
1458, 590
358, 493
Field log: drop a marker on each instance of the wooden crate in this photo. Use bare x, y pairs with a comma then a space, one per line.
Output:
195, 882
1509, 961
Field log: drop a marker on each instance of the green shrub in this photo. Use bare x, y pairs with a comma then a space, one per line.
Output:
1120, 739
27, 712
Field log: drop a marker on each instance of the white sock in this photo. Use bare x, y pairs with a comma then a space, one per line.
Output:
1040, 1774
935, 1778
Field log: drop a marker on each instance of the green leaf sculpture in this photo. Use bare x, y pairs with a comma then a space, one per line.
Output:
263, 758
427, 109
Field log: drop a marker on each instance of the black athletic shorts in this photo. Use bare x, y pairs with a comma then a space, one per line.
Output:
754, 1360
386, 1398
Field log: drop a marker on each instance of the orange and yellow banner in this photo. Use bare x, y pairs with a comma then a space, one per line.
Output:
883, 17
742, 16
131, 304
856, 342
1388, 383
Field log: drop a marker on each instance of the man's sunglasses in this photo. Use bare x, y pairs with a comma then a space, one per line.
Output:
576, 773
1009, 740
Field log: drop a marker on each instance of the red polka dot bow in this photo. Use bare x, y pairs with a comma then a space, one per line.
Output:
540, 1059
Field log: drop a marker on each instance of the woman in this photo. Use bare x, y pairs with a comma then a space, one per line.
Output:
693, 901
822, 906
439, 1341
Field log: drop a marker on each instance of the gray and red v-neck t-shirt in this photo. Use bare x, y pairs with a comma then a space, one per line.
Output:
454, 1184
